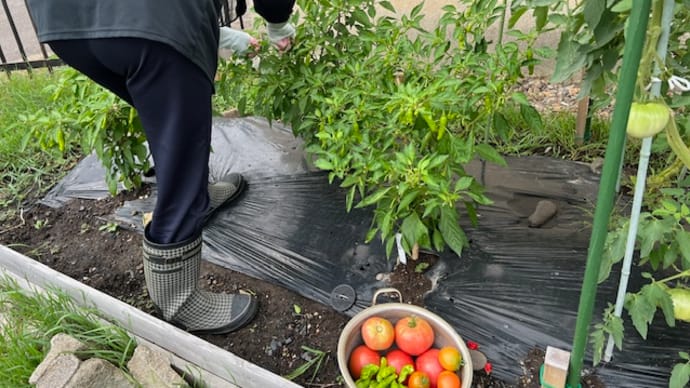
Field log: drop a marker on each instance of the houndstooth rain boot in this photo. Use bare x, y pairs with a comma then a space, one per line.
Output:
223, 192
172, 274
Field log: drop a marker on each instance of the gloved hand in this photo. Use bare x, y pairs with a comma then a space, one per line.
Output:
281, 35
237, 41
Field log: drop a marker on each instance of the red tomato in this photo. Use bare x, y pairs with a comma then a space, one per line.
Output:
414, 335
428, 363
378, 333
398, 359
360, 357
418, 380
448, 379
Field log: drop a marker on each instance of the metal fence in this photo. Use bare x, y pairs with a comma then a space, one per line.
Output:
19, 46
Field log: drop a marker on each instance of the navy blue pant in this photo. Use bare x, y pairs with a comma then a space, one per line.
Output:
173, 99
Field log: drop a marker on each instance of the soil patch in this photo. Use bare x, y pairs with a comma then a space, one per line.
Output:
77, 240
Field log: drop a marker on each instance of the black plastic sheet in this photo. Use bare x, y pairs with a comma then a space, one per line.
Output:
514, 289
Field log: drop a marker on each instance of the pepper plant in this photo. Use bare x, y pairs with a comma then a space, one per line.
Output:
84, 114
392, 110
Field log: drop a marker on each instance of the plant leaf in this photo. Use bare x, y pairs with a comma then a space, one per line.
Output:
451, 231
680, 376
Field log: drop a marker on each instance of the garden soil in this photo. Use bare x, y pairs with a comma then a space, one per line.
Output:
76, 240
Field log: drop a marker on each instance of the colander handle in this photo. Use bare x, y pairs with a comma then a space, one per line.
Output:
388, 290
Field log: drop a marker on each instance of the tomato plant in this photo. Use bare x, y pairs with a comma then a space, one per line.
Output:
414, 335
450, 358
378, 333
428, 363
398, 359
448, 379
418, 380
360, 357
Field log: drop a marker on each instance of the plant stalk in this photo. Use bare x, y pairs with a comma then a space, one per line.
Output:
632, 53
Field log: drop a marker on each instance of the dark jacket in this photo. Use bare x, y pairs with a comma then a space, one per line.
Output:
189, 26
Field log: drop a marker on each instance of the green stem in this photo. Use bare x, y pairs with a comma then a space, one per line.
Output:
649, 53
683, 274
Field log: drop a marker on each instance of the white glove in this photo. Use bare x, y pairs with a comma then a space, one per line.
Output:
235, 40
281, 34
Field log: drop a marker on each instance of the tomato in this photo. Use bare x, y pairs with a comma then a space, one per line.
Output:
378, 333
647, 119
398, 359
360, 357
450, 358
413, 335
418, 380
448, 379
428, 363
681, 303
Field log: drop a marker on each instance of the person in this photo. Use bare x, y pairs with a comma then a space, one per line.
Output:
161, 57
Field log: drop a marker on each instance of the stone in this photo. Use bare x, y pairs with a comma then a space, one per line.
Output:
545, 211
151, 369
60, 344
58, 371
99, 373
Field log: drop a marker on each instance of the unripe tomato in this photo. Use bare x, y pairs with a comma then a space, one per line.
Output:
378, 333
681, 303
647, 119
428, 363
414, 335
360, 357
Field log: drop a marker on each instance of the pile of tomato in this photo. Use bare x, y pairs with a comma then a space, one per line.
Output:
401, 354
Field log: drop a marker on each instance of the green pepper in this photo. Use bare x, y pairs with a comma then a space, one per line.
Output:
405, 372
386, 383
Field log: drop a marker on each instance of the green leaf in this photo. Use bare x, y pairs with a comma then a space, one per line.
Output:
407, 200
615, 328
413, 228
597, 339
324, 164
451, 231
683, 240
463, 183
622, 6
650, 232
569, 60
373, 198
490, 154
614, 250
515, 16
593, 11
541, 15
680, 376
656, 293
387, 5
641, 311
531, 116
501, 126
520, 98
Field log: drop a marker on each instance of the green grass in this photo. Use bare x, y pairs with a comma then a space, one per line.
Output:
33, 318
556, 138
25, 172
